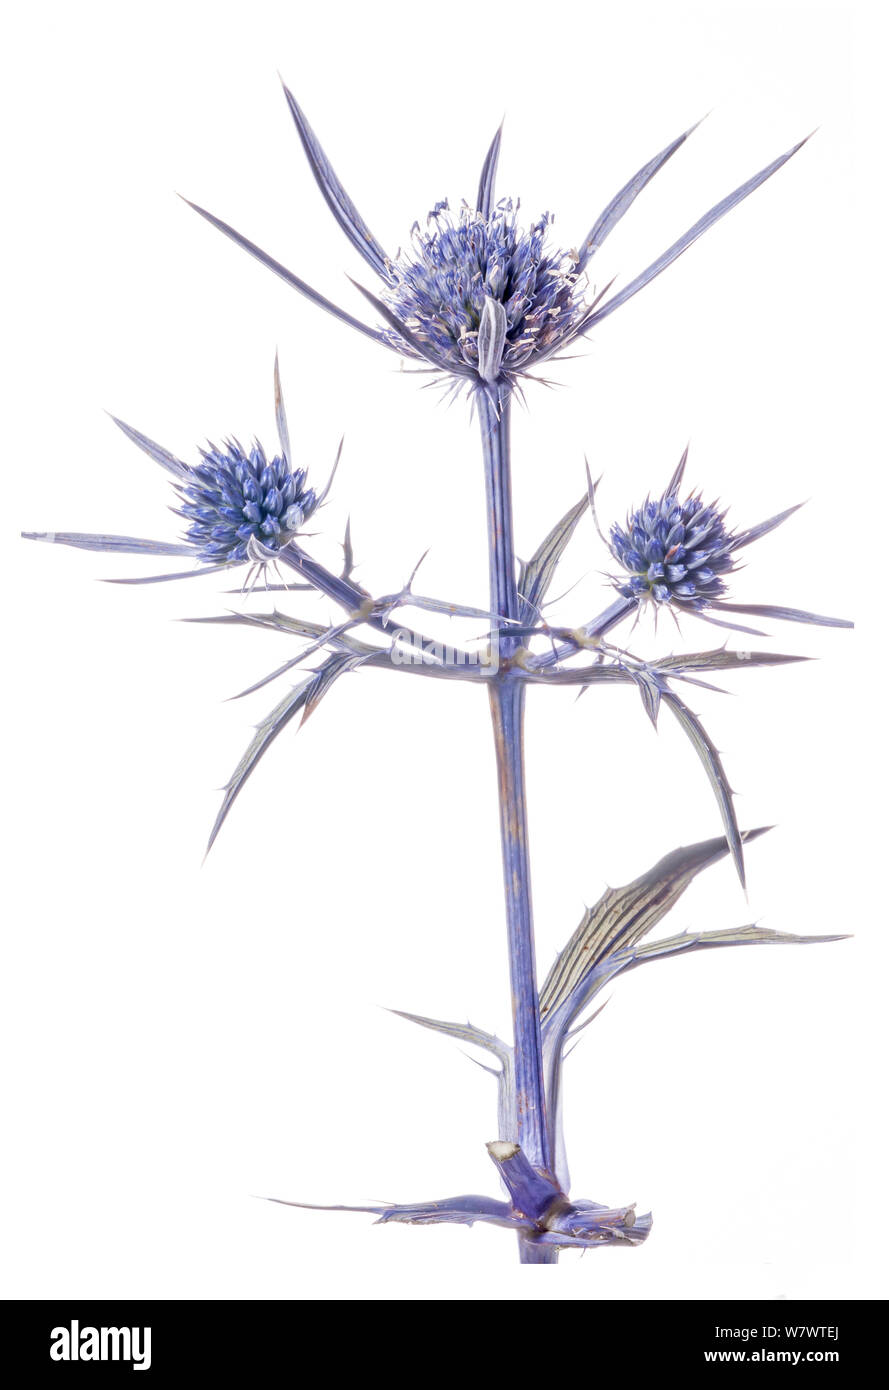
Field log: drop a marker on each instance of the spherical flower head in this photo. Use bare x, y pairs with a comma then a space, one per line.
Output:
234, 497
674, 552
441, 287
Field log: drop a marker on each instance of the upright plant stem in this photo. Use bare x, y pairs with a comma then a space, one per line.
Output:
506, 695
507, 699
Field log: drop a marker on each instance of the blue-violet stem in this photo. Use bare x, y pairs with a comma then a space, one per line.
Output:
507, 699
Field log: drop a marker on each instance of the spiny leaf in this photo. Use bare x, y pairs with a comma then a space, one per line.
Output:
650, 687
700, 941
332, 669
277, 622
579, 675
623, 916
535, 575
283, 622
722, 660
463, 1211
266, 732
507, 1125
305, 697
709, 756
466, 1032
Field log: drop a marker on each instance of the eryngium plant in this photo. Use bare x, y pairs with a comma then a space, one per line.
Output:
478, 302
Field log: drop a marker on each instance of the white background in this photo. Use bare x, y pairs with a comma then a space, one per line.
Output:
183, 1039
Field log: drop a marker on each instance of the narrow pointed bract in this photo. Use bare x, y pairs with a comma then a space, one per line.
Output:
281, 419
484, 198
335, 196
787, 615
123, 545
622, 201
689, 238
154, 451
287, 275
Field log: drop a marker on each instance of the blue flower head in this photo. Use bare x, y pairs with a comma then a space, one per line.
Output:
679, 553
481, 293
234, 497
674, 552
240, 505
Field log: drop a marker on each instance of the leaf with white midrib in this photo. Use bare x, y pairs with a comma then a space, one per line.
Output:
623, 916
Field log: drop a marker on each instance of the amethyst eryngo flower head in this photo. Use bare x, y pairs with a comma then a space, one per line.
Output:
476, 299
674, 552
484, 294
234, 497
677, 554
240, 505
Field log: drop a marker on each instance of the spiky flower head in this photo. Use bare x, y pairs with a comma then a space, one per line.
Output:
240, 505
234, 497
678, 553
674, 551
483, 293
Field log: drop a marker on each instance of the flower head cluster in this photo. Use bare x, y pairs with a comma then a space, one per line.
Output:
235, 496
458, 265
674, 552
